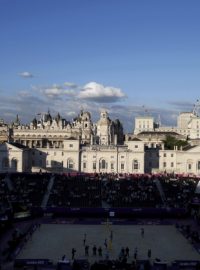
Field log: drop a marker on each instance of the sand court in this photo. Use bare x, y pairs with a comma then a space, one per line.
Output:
52, 241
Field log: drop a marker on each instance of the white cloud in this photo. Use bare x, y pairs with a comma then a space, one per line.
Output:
68, 101
51, 92
91, 92
103, 94
71, 113
56, 91
26, 74
24, 94
70, 85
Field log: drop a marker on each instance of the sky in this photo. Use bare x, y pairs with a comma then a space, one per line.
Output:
130, 57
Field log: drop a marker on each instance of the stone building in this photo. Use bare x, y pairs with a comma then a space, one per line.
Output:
14, 157
57, 145
188, 124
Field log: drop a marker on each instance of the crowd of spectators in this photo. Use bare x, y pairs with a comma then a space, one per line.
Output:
75, 191
24, 191
113, 190
134, 192
4, 203
28, 189
179, 191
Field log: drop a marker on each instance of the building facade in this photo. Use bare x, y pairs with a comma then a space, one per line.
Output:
14, 158
188, 124
56, 145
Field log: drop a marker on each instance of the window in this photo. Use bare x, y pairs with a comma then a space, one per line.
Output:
122, 156
71, 145
164, 155
189, 166
47, 162
70, 164
94, 166
172, 155
62, 153
136, 146
164, 164
172, 164
135, 164
198, 165
94, 156
122, 166
14, 164
103, 164
84, 165
112, 166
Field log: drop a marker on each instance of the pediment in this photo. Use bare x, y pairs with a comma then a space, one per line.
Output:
9, 147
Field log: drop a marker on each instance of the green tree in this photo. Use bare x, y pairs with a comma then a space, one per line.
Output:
171, 141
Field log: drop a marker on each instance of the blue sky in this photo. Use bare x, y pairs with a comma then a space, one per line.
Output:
122, 55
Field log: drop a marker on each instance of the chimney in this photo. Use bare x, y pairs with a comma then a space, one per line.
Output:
91, 140
115, 139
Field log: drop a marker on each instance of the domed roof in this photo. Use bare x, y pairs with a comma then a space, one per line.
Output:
104, 119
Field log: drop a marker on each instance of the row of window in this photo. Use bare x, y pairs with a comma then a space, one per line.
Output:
103, 165
189, 165
84, 156
165, 164
165, 155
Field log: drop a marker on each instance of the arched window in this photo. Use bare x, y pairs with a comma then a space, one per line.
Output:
103, 164
14, 164
5, 163
70, 164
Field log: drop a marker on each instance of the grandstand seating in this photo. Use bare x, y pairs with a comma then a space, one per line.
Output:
22, 192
